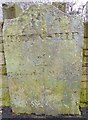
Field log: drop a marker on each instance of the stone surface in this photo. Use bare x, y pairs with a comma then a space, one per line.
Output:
1, 39
1, 48
3, 70
4, 82
43, 51
85, 60
1, 58
60, 6
4, 91
11, 10
86, 29
0, 27
84, 85
86, 53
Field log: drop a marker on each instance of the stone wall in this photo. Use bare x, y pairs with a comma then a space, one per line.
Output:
84, 82
4, 91
60, 6
0, 64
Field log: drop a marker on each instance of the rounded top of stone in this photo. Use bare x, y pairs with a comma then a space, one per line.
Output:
38, 17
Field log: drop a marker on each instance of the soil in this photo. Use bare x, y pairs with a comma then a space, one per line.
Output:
7, 114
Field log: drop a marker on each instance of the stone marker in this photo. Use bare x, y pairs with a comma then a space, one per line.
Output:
43, 51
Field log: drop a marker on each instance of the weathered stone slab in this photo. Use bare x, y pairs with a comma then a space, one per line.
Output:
43, 51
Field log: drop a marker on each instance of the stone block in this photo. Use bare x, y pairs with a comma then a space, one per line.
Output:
5, 97
83, 94
86, 53
0, 81
11, 11
1, 58
3, 70
85, 59
1, 47
60, 6
84, 70
86, 77
8, 11
3, 81
1, 39
85, 46
86, 29
83, 84
4, 91
0, 27
0, 103
83, 77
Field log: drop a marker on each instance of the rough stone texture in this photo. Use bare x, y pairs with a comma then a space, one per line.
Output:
0, 64
86, 52
0, 26
4, 91
1, 39
0, 91
1, 58
84, 82
85, 43
60, 6
1, 48
11, 11
86, 29
43, 51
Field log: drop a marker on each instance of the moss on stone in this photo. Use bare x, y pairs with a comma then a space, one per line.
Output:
6, 99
